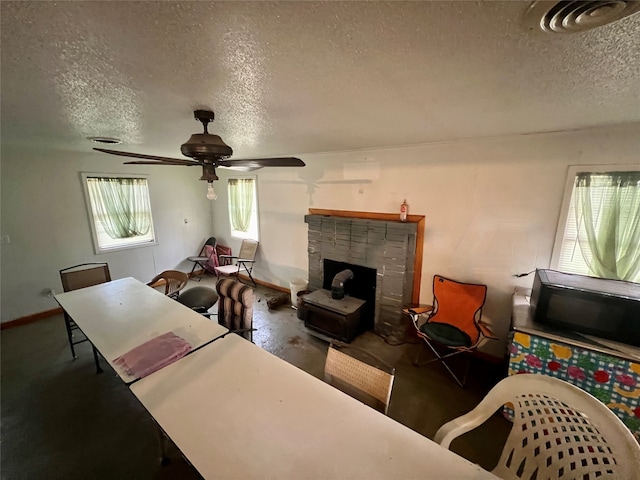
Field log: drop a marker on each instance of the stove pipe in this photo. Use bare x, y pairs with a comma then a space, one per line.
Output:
337, 286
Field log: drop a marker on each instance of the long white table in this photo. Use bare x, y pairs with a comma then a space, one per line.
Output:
122, 314
239, 412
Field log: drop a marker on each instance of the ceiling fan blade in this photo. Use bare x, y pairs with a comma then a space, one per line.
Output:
174, 161
242, 169
165, 162
263, 162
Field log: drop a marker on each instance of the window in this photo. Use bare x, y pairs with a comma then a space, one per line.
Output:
243, 207
599, 227
119, 211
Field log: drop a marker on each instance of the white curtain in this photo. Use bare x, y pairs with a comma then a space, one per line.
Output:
122, 205
608, 211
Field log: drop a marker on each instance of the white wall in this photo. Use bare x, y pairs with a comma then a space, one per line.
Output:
491, 205
491, 210
44, 215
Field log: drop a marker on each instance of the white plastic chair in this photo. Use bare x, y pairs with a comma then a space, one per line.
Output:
559, 431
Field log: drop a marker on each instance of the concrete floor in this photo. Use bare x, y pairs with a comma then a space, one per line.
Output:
62, 421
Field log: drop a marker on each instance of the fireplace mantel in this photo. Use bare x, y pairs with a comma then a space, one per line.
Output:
374, 240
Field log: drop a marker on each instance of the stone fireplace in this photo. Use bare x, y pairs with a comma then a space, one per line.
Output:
386, 245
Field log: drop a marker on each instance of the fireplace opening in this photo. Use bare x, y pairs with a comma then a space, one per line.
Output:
362, 286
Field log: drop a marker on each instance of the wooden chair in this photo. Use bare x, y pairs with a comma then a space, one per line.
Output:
174, 281
453, 323
74, 278
368, 381
243, 263
559, 431
207, 258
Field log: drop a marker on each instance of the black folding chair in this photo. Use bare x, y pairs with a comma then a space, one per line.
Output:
205, 258
74, 278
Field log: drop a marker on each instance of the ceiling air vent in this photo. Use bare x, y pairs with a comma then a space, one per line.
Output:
573, 17
107, 140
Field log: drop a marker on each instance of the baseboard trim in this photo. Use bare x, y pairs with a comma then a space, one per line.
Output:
57, 311
266, 284
246, 279
196, 273
30, 318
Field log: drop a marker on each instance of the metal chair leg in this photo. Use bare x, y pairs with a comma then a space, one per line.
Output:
455, 377
162, 444
248, 272
253, 282
67, 324
97, 360
441, 359
193, 269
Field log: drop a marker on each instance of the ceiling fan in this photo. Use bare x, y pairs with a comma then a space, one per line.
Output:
207, 151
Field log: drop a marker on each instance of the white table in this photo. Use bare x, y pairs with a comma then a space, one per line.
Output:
237, 411
119, 315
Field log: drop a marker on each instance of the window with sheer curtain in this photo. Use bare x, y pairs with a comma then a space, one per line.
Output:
120, 211
243, 207
599, 228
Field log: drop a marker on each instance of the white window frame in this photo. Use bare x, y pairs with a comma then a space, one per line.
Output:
124, 244
572, 172
254, 229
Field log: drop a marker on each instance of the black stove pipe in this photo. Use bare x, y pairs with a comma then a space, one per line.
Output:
337, 285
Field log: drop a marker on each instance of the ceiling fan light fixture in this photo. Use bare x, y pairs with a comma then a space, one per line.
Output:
105, 140
211, 193
206, 145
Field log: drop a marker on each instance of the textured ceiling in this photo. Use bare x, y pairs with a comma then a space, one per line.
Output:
301, 77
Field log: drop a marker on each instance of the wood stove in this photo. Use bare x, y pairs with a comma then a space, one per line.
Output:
335, 318
341, 318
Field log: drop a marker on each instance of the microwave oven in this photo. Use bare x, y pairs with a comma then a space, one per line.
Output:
601, 307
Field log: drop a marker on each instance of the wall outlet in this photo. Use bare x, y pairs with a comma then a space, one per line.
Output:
5, 239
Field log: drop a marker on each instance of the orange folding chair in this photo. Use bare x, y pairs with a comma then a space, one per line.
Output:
453, 324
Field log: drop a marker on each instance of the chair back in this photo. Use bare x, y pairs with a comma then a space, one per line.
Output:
200, 299
211, 242
559, 431
84, 275
458, 304
359, 379
248, 250
174, 281
235, 306
209, 250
